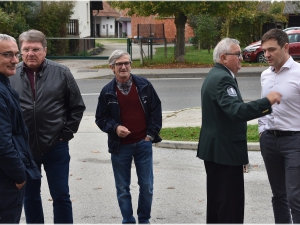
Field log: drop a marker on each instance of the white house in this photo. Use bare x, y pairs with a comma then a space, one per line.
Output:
82, 22
82, 16
105, 21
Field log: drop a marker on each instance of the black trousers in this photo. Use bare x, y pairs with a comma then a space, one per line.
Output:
11, 201
225, 193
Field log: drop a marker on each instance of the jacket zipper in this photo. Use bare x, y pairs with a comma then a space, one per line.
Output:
34, 112
140, 100
119, 115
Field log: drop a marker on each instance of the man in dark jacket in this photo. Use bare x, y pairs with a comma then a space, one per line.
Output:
16, 162
223, 137
52, 107
129, 111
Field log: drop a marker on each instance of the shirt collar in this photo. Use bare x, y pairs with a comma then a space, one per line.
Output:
125, 87
232, 74
287, 65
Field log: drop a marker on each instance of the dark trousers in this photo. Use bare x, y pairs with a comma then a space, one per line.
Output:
11, 201
56, 165
282, 159
225, 193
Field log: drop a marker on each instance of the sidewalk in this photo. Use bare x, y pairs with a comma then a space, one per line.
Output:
83, 69
190, 117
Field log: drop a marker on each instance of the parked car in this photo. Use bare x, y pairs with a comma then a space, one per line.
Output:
254, 52
291, 28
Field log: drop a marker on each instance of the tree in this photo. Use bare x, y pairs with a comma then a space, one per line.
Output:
247, 27
49, 17
243, 20
14, 17
178, 9
205, 30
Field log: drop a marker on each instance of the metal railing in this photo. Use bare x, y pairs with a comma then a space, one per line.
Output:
73, 48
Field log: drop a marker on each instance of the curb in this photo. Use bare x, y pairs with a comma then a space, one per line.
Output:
191, 145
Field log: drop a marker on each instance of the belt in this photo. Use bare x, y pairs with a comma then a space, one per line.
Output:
283, 132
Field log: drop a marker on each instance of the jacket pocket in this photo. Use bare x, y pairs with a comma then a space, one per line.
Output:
54, 140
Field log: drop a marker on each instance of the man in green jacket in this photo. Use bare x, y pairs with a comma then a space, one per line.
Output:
223, 139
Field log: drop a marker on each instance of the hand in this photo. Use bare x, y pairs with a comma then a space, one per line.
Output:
19, 186
122, 131
274, 97
147, 139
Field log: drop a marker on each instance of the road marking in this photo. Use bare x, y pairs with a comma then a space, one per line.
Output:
91, 94
176, 78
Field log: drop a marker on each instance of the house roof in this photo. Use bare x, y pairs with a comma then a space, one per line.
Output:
107, 11
124, 19
291, 8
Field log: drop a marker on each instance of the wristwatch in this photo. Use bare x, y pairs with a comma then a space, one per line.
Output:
150, 137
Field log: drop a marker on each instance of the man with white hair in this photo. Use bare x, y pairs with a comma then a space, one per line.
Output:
16, 161
223, 137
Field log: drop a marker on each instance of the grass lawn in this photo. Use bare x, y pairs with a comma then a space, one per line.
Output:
101, 41
192, 133
193, 57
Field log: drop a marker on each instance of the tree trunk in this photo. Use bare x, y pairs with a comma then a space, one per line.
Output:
227, 27
180, 20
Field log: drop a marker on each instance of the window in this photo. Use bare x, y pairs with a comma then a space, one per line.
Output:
292, 38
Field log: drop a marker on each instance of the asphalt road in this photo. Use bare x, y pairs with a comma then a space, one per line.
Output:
175, 93
179, 177
179, 185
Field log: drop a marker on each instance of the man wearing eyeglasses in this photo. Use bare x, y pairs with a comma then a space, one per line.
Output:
223, 139
52, 107
16, 162
129, 111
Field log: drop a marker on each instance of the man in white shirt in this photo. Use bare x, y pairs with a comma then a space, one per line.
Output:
280, 130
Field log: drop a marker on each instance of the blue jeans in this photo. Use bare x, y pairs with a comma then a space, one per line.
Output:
56, 165
141, 152
282, 159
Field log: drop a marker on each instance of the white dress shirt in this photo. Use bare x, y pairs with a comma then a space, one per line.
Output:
286, 115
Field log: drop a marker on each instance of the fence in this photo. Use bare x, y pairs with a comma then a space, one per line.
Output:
86, 48
73, 48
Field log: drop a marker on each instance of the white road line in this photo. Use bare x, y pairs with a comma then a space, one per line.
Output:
91, 94
179, 78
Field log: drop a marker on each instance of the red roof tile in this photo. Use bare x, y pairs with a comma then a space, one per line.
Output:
107, 11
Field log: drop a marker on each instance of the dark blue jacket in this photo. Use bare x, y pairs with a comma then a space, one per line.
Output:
108, 111
16, 161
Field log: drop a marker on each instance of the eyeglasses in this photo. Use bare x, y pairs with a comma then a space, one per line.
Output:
239, 55
34, 50
10, 55
120, 64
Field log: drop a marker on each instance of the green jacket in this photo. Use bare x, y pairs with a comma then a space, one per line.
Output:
223, 136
